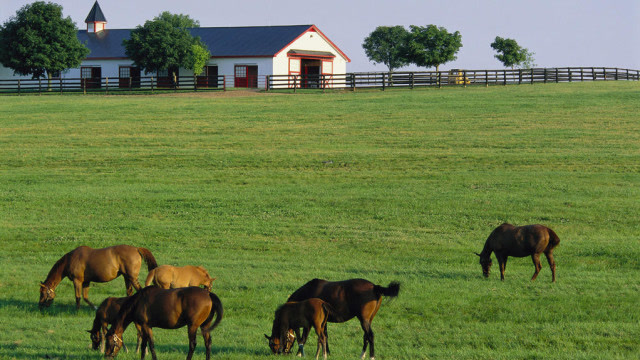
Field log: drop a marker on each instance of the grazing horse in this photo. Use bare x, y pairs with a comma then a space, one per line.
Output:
152, 306
349, 298
107, 314
295, 315
84, 265
171, 277
519, 241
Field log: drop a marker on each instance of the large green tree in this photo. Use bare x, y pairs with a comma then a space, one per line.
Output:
511, 54
432, 46
164, 43
388, 45
38, 41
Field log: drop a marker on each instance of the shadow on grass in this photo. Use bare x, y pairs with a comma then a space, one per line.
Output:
54, 309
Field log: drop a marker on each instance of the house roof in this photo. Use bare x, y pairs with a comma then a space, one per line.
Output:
252, 41
95, 15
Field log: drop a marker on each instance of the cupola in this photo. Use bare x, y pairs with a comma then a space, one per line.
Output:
95, 20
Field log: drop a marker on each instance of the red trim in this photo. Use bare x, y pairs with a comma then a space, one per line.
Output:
306, 56
314, 28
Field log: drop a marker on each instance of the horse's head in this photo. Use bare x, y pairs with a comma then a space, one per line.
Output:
209, 283
114, 343
276, 344
485, 262
47, 294
95, 339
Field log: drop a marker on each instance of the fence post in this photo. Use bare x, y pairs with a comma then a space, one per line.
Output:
557, 79
106, 85
152, 84
581, 74
60, 79
486, 78
19, 87
39, 86
384, 81
464, 78
569, 70
531, 76
439, 79
504, 77
616, 74
545, 75
412, 80
295, 83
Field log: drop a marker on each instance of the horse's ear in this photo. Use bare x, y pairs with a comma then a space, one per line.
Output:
42, 284
267, 336
477, 253
214, 279
89, 331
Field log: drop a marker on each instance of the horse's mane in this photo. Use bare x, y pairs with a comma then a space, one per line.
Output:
57, 269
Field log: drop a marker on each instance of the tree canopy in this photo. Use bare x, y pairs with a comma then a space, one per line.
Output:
511, 54
38, 41
164, 43
388, 45
432, 46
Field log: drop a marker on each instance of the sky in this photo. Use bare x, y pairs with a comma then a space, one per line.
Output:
561, 33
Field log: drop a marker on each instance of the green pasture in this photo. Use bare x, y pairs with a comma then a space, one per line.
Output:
272, 190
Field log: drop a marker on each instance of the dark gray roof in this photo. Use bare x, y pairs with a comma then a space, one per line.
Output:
253, 41
95, 14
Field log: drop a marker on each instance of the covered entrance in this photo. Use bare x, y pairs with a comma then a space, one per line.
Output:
312, 67
129, 77
91, 77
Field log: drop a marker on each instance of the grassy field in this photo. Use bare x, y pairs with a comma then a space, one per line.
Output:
270, 191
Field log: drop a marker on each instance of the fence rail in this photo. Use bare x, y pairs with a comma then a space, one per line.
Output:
451, 77
112, 85
335, 81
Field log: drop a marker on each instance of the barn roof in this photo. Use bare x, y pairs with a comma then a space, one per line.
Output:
251, 41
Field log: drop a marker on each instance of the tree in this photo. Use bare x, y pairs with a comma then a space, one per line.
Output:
197, 59
511, 54
163, 43
38, 41
387, 45
432, 46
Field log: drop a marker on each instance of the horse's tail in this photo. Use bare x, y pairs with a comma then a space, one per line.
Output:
330, 311
152, 274
148, 258
554, 240
391, 291
216, 308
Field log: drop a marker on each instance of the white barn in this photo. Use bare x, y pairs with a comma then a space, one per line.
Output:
244, 55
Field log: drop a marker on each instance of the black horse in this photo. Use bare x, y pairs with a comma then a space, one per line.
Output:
519, 241
349, 298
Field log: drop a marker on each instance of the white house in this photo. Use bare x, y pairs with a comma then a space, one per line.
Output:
244, 54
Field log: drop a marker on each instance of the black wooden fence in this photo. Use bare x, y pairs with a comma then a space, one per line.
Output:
451, 77
114, 85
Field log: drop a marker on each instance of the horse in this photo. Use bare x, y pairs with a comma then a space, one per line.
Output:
295, 315
171, 277
349, 298
519, 241
107, 314
152, 306
84, 265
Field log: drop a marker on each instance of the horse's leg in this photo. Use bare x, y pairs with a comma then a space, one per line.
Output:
139, 340
206, 335
77, 286
367, 339
502, 263
326, 336
300, 343
152, 348
85, 295
322, 341
536, 262
552, 265
303, 340
128, 285
145, 342
192, 332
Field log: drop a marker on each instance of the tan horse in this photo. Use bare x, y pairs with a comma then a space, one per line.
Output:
84, 265
519, 241
171, 277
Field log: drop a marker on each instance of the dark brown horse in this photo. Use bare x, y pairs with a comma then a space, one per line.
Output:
107, 314
152, 306
295, 315
349, 298
519, 241
84, 265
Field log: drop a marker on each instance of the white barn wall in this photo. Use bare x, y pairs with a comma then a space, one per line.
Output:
309, 41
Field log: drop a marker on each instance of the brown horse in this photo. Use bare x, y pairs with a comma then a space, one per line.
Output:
171, 277
519, 241
84, 265
349, 298
152, 306
295, 315
107, 314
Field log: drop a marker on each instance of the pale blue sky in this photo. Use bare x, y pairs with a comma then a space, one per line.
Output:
559, 32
